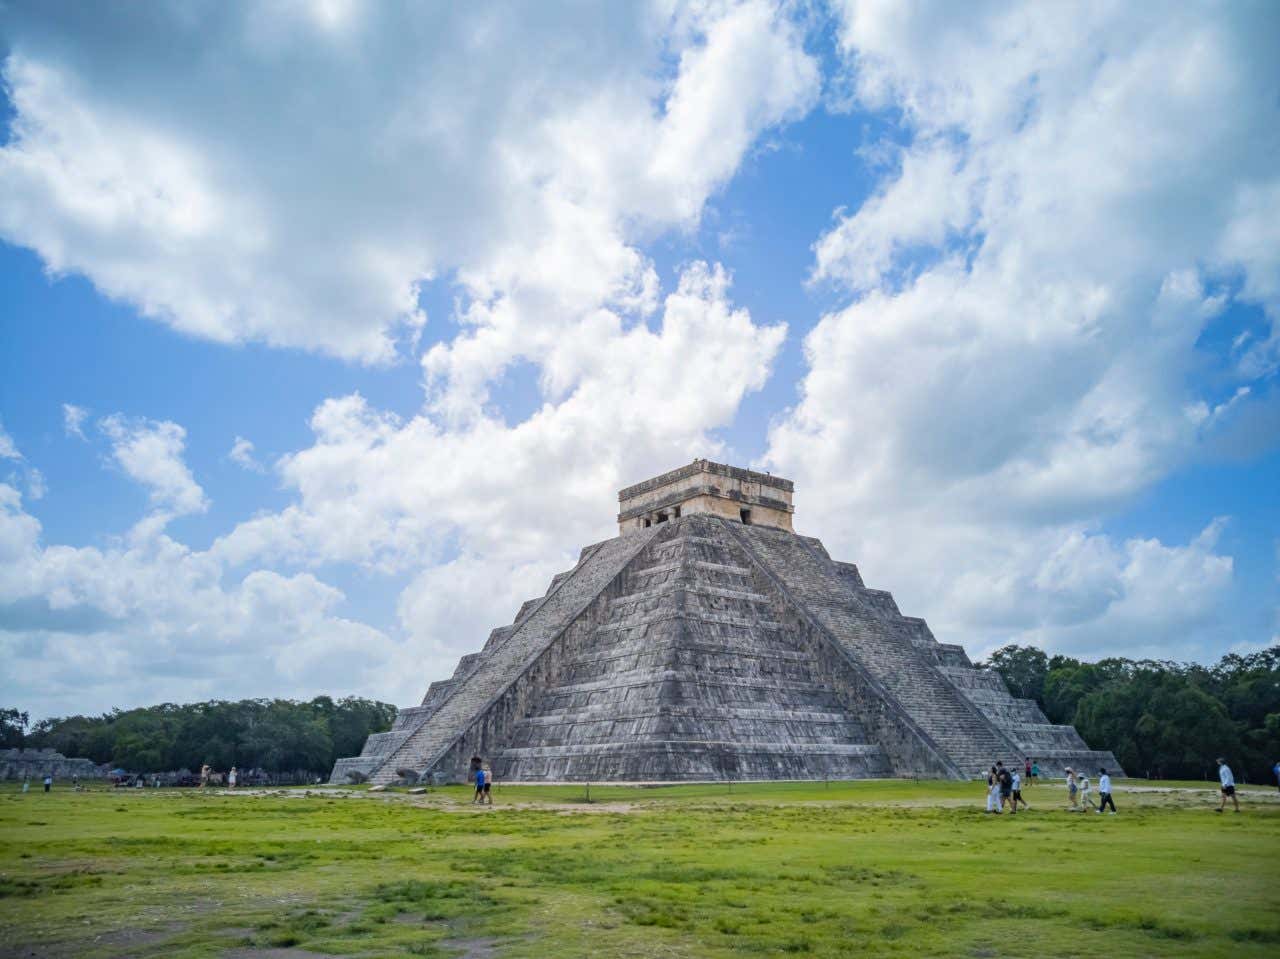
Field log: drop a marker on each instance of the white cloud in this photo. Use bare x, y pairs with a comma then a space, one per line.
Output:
1029, 285
389, 493
151, 620
8, 448
242, 455
73, 419
33, 478
366, 154
150, 452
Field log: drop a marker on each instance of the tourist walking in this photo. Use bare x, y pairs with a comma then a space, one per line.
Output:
1276, 769
26, 785
1073, 788
48, 783
488, 782
1035, 771
479, 796
1085, 802
1228, 782
231, 778
1026, 770
1006, 784
1017, 793
1104, 792
993, 792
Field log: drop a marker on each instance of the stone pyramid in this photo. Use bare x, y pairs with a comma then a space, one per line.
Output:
707, 641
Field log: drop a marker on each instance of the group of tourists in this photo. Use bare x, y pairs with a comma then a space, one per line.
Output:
1079, 792
1004, 788
211, 777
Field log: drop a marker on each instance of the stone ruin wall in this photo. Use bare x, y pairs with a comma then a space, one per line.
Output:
35, 764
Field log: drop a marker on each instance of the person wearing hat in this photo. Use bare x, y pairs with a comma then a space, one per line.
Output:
1228, 785
1072, 788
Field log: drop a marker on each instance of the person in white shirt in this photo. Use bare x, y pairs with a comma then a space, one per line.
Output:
993, 792
1072, 788
1085, 801
1104, 792
1228, 785
1017, 792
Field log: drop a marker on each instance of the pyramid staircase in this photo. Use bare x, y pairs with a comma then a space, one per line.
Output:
689, 678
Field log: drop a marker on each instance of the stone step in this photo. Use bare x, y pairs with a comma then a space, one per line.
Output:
531, 636
656, 677
596, 714
729, 746
871, 629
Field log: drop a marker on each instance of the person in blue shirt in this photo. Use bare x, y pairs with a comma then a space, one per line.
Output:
479, 797
1276, 769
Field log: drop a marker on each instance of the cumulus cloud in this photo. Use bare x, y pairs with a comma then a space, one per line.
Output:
304, 175
148, 618
152, 620
1029, 285
242, 455
150, 452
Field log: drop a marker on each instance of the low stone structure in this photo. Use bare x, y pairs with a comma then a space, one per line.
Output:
35, 764
708, 642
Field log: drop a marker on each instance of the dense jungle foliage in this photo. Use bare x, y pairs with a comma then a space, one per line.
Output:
1162, 719
276, 735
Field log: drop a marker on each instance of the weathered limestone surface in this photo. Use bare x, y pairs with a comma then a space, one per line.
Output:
706, 487
703, 647
35, 764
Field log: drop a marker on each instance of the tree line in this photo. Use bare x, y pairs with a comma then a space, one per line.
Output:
1164, 719
276, 735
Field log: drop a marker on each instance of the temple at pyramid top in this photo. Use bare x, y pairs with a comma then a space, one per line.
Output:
708, 641
707, 487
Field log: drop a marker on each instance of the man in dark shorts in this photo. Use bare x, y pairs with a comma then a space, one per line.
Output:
480, 786
1017, 793
1228, 786
1006, 785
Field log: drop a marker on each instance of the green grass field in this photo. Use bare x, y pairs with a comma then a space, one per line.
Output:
876, 868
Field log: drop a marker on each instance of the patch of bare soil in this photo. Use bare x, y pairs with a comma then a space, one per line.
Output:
249, 953
472, 948
126, 942
557, 807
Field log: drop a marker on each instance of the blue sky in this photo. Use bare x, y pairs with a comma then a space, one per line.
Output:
319, 353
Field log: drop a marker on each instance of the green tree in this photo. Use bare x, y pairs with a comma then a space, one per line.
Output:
13, 728
1065, 686
1023, 669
